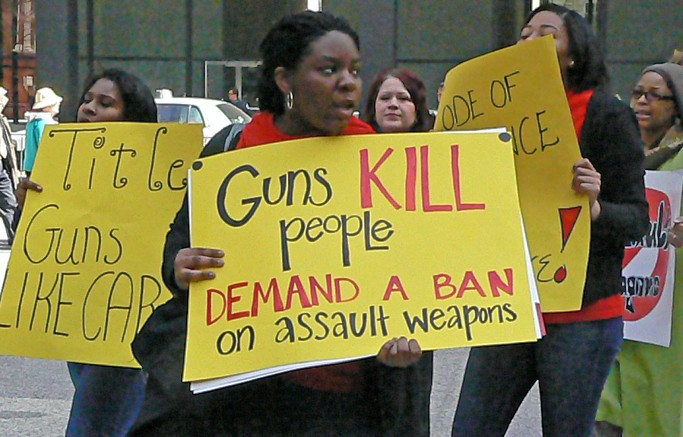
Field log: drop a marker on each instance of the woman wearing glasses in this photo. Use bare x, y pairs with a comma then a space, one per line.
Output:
644, 393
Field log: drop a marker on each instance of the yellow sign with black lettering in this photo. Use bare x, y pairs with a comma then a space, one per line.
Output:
335, 245
84, 272
505, 89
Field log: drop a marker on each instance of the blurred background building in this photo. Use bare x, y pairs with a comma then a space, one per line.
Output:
18, 72
204, 47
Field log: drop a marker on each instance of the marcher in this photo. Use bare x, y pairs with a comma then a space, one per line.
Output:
107, 399
310, 86
643, 395
572, 360
44, 112
397, 102
9, 172
234, 98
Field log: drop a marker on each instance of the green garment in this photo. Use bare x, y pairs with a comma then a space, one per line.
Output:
644, 391
34, 133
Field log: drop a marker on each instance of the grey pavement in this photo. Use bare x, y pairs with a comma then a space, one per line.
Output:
35, 396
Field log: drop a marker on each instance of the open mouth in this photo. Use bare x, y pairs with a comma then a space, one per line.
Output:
345, 107
642, 115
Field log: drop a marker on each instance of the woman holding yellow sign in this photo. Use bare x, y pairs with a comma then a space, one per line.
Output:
106, 399
572, 361
310, 86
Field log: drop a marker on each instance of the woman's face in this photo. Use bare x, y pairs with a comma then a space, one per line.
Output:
394, 108
655, 114
102, 102
326, 86
549, 23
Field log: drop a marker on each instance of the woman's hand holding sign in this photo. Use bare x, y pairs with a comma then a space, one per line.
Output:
587, 181
676, 233
192, 264
24, 185
400, 352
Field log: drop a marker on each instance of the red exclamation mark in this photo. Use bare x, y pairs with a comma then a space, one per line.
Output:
568, 219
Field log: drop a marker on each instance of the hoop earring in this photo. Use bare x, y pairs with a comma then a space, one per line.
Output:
289, 100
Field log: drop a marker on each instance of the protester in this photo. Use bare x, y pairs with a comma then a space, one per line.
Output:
397, 102
234, 98
9, 172
643, 395
107, 399
572, 360
44, 112
309, 86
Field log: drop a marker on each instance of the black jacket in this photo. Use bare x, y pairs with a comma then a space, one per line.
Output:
610, 139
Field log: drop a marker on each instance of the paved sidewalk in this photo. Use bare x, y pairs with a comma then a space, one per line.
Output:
35, 397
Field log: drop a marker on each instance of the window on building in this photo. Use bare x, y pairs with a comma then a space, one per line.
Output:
26, 28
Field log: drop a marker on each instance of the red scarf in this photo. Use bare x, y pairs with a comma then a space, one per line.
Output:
578, 105
262, 130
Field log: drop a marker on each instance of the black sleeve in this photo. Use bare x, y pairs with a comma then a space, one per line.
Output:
178, 237
617, 153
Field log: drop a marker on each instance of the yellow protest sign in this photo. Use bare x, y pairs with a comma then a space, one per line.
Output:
520, 88
85, 268
335, 245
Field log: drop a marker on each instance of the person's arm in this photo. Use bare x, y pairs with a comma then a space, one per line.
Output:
24, 186
623, 212
181, 263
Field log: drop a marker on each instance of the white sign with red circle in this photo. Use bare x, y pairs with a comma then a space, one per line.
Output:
649, 265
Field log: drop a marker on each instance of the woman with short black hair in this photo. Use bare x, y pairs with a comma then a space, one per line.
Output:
310, 86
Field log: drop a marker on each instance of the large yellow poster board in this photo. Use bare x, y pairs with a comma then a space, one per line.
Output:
335, 245
520, 88
85, 268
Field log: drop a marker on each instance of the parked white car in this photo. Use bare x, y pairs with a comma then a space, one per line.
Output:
213, 114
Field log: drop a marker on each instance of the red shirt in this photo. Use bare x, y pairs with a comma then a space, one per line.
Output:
608, 307
345, 377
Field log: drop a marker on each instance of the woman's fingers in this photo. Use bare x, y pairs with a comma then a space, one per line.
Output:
195, 264
400, 352
24, 186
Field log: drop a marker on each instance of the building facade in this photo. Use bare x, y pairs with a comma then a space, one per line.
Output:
183, 45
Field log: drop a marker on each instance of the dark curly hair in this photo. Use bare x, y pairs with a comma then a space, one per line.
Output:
287, 42
589, 70
424, 121
138, 100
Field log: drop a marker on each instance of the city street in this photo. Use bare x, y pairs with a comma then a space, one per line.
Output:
35, 397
